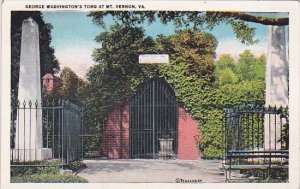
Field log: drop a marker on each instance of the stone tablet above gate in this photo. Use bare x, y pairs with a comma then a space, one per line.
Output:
154, 59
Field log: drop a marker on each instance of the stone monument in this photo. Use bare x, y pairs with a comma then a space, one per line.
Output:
276, 84
29, 141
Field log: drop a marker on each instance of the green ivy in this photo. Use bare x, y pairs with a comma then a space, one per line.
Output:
190, 73
211, 143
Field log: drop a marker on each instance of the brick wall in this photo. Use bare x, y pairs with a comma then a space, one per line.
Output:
115, 140
188, 135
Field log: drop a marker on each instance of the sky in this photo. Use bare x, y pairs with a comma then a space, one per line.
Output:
73, 37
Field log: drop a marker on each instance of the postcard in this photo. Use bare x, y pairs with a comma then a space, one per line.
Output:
170, 94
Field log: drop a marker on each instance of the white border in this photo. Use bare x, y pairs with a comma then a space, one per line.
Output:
250, 6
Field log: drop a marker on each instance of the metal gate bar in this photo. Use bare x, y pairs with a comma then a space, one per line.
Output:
61, 123
153, 118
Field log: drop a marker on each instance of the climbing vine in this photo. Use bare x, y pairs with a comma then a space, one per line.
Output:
190, 73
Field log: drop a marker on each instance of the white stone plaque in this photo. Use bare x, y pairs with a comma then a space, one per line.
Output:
154, 59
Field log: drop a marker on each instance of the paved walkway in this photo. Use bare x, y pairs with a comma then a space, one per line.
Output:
162, 171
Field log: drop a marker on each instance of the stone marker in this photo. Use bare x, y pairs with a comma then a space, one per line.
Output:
29, 141
276, 83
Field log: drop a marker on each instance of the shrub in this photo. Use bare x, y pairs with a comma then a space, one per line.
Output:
75, 166
48, 178
42, 168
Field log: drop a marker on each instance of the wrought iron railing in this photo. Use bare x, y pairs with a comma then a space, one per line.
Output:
47, 131
256, 137
254, 127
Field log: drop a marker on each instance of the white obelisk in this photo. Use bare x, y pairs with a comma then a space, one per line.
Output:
276, 84
29, 141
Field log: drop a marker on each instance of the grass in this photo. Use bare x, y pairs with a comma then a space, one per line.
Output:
48, 178
47, 172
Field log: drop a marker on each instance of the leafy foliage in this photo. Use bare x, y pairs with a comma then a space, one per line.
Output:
193, 48
225, 70
211, 143
71, 85
184, 19
247, 67
48, 172
206, 103
227, 76
75, 166
114, 78
190, 72
284, 139
46, 168
48, 178
225, 61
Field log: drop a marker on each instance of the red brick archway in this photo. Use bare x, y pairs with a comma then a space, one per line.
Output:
115, 142
134, 128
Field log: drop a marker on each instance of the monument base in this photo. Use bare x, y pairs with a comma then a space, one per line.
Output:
166, 151
29, 155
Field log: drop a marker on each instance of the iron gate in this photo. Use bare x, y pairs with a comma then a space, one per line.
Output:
153, 121
61, 123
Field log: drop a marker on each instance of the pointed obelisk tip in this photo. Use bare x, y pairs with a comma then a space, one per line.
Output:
29, 20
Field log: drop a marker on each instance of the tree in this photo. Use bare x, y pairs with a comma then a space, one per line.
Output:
72, 86
225, 68
259, 67
200, 19
48, 61
192, 47
225, 61
117, 72
191, 76
227, 76
115, 75
246, 59
118, 58
121, 48
249, 67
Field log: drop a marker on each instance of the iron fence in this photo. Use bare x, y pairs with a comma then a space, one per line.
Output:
253, 127
46, 131
256, 138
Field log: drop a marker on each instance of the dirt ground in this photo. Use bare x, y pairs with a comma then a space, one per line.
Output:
153, 171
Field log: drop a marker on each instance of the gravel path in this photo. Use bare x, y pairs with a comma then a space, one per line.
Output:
147, 171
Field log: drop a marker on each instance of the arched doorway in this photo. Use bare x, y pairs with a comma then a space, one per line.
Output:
153, 115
